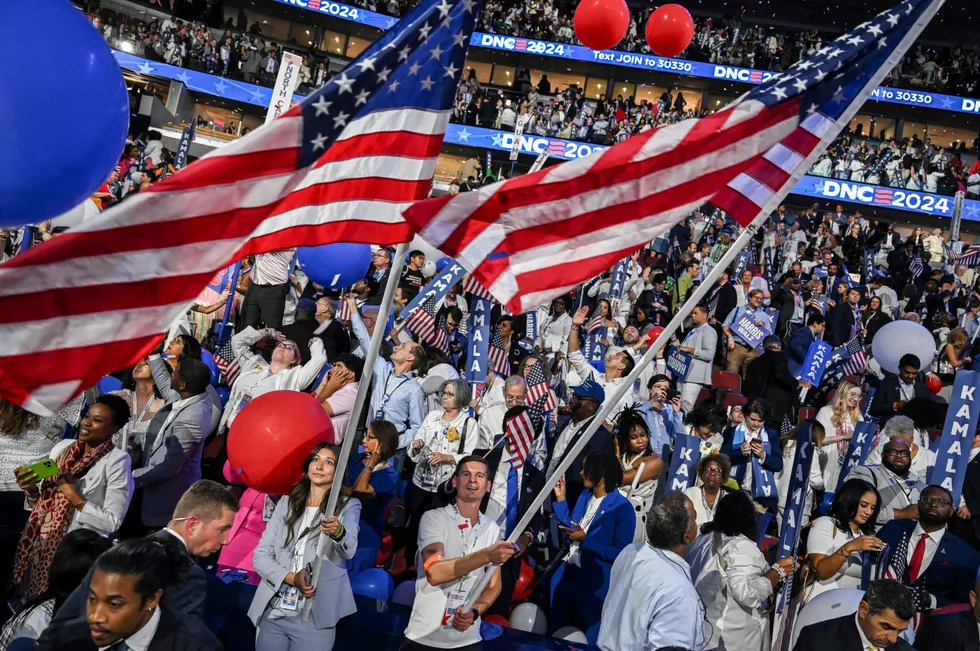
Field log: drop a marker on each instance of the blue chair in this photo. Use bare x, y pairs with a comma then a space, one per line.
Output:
374, 583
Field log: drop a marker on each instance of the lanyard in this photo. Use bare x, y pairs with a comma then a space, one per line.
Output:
388, 394
146, 408
464, 526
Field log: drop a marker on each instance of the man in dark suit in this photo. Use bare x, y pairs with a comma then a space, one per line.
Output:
336, 340
955, 630
378, 275
586, 400
768, 377
882, 616
302, 329
791, 306
124, 610
937, 567
844, 319
200, 527
727, 298
966, 524
799, 342
893, 392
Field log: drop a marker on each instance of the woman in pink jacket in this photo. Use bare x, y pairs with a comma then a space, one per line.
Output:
256, 509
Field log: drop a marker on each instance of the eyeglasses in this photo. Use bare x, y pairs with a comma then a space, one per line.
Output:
938, 501
447, 394
514, 400
899, 453
712, 470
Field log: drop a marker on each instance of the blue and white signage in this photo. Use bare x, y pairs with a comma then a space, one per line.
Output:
748, 331
478, 340
815, 363
344, 12
684, 462
679, 363
877, 195
953, 451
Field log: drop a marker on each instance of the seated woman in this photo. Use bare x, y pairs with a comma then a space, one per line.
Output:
601, 525
70, 564
92, 490
837, 539
374, 482
713, 472
733, 578
287, 553
641, 466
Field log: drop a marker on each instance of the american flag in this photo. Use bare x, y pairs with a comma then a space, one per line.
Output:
499, 363
858, 360
534, 237
471, 285
970, 257
917, 266
422, 322
538, 389
339, 167
227, 364
596, 321
849, 359
343, 309
520, 432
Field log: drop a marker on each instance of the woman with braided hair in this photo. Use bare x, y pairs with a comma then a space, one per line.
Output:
641, 466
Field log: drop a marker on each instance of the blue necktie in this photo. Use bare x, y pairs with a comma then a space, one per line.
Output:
513, 497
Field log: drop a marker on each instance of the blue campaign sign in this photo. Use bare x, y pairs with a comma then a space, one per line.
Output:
684, 462
795, 501
344, 12
679, 363
877, 195
862, 440
953, 450
436, 289
748, 331
478, 325
815, 362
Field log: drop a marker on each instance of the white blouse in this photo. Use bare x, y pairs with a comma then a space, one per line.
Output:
826, 538
443, 438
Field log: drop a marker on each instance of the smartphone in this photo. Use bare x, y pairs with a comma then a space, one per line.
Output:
44, 469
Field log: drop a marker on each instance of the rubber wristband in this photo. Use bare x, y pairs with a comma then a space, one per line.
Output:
435, 558
340, 534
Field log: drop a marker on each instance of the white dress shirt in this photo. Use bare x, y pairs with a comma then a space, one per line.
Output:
651, 603
932, 544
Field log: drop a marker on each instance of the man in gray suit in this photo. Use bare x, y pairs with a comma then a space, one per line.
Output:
701, 342
173, 445
899, 490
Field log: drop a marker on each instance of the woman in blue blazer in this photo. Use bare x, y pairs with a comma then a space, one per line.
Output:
601, 526
756, 453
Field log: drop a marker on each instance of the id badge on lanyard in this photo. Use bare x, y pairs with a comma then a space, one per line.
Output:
244, 400
457, 597
267, 508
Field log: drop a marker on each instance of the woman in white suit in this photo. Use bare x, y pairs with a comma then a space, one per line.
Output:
91, 490
286, 555
733, 578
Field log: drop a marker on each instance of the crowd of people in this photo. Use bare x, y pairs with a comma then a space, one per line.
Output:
433, 493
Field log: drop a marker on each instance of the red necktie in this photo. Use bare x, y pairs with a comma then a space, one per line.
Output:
915, 565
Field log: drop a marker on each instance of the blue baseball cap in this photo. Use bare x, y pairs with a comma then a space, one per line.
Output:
306, 304
590, 389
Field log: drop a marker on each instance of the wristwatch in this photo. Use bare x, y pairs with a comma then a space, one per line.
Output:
476, 613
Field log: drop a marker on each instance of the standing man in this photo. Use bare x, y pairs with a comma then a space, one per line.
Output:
740, 352
894, 392
652, 603
844, 320
701, 343
586, 399
458, 546
799, 343
378, 275
691, 271
265, 299
395, 395
412, 276
618, 365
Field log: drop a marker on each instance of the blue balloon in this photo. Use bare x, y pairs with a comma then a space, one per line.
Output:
443, 263
335, 265
374, 583
223, 393
108, 384
208, 360
49, 163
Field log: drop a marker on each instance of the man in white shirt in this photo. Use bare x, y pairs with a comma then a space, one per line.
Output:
651, 601
265, 300
889, 299
618, 364
458, 545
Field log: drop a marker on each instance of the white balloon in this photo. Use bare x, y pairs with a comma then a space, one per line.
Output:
529, 617
429, 268
404, 593
828, 605
431, 252
571, 634
76, 215
900, 338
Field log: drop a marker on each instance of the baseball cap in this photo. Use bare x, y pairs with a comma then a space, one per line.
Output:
306, 304
590, 389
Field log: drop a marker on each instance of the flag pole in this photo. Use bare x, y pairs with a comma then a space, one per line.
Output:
621, 391
370, 357
233, 289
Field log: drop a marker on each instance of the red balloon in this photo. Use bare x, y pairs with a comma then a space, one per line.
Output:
601, 24
524, 584
272, 436
934, 383
653, 333
669, 30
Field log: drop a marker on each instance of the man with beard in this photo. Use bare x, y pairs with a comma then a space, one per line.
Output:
898, 490
937, 567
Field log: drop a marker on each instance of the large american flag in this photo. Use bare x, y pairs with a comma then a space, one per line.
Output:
471, 285
534, 237
538, 389
521, 431
341, 166
422, 322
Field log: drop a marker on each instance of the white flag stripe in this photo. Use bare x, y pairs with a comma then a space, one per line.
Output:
79, 330
751, 189
282, 133
664, 140
783, 157
455, 212
335, 211
123, 267
818, 124
412, 120
742, 111
395, 168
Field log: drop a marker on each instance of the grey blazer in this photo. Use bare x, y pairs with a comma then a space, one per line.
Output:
704, 341
334, 598
172, 457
